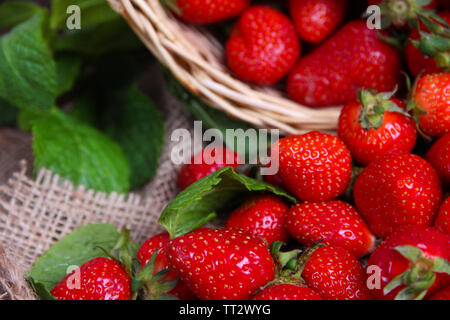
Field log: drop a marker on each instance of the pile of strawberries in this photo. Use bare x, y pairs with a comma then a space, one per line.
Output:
373, 216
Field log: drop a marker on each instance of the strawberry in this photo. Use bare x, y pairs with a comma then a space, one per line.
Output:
431, 104
376, 125
351, 59
419, 62
413, 263
444, 5
207, 11
204, 163
263, 46
334, 222
274, 180
439, 157
397, 190
402, 12
443, 218
100, 279
287, 292
314, 166
221, 264
315, 20
262, 215
146, 251
441, 295
335, 274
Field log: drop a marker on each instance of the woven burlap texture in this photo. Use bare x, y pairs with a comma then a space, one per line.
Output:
37, 212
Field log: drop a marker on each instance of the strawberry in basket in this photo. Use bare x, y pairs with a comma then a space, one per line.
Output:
263, 46
352, 59
207, 11
439, 157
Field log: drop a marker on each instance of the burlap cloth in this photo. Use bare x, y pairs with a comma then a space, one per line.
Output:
35, 213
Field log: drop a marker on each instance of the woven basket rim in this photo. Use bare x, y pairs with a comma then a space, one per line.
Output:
196, 58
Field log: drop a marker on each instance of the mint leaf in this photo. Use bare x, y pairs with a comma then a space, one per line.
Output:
131, 119
27, 70
79, 153
14, 12
8, 113
68, 67
201, 200
73, 250
110, 36
92, 12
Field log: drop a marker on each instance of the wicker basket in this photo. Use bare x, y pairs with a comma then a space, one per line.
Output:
196, 59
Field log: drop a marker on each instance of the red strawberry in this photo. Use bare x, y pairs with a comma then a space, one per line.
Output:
315, 20
262, 215
221, 264
400, 12
397, 190
439, 157
335, 274
313, 166
207, 11
100, 279
443, 218
375, 126
146, 251
441, 295
431, 103
334, 222
274, 180
287, 292
204, 163
353, 58
263, 46
412, 262
417, 61
444, 5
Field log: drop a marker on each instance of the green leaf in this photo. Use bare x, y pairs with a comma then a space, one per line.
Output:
8, 113
131, 119
213, 118
73, 250
68, 67
114, 35
79, 153
27, 70
92, 12
14, 12
200, 201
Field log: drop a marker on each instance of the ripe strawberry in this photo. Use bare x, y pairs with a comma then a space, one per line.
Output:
351, 59
397, 190
431, 103
287, 292
443, 218
207, 11
263, 46
334, 222
375, 126
402, 12
335, 274
417, 60
444, 5
204, 163
262, 215
313, 166
221, 264
146, 251
100, 279
412, 262
441, 295
439, 157
315, 20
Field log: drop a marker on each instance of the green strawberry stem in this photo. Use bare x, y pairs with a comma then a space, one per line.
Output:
401, 12
420, 277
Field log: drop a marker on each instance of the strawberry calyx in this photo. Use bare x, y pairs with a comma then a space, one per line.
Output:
436, 42
403, 12
374, 105
419, 278
285, 262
